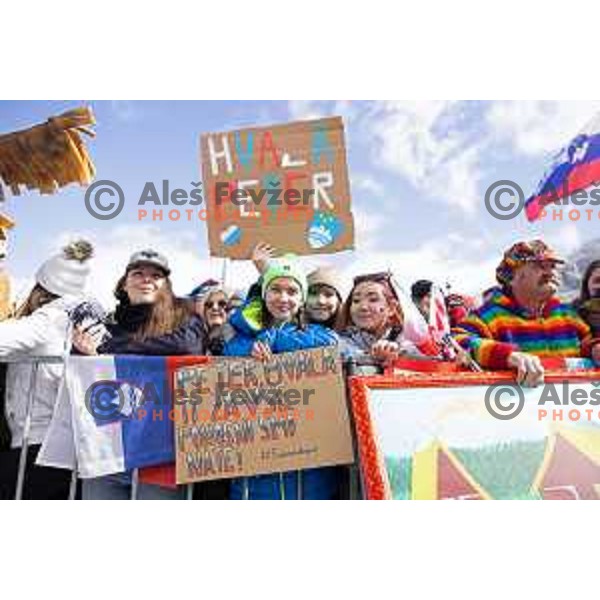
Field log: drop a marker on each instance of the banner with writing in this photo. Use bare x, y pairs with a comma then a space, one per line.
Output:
285, 184
240, 417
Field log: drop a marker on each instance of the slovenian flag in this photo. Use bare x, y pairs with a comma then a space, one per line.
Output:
114, 414
575, 168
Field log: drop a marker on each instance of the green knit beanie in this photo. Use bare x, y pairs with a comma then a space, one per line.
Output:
284, 267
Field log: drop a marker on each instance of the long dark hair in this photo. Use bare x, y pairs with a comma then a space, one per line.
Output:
584, 295
166, 314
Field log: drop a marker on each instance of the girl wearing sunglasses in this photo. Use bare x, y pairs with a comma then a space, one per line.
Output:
215, 308
215, 312
211, 304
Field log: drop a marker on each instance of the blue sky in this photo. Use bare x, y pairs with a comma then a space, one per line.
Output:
418, 169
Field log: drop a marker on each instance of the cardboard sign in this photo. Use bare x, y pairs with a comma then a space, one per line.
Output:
239, 417
286, 185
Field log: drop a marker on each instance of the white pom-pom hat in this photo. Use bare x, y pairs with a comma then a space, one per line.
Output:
66, 273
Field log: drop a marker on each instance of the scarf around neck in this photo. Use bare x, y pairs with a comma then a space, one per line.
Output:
132, 316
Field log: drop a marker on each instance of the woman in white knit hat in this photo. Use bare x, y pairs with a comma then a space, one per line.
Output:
41, 327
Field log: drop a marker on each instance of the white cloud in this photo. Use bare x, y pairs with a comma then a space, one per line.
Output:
347, 109
457, 181
368, 228
126, 110
305, 109
183, 251
535, 127
317, 109
443, 147
423, 142
566, 240
468, 265
366, 183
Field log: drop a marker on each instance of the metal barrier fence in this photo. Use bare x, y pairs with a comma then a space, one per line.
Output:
35, 362
351, 368
354, 485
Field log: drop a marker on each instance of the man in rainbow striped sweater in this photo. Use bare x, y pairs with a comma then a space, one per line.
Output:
523, 320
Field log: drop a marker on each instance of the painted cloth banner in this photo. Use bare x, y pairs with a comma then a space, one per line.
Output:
286, 185
435, 443
240, 417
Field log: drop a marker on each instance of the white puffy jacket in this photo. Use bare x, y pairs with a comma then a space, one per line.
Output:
46, 332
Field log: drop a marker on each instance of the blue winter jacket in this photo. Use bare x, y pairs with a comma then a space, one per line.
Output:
308, 484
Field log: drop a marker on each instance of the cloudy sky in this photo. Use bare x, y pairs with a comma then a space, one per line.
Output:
418, 169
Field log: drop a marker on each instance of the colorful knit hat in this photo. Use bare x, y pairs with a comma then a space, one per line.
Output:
521, 253
284, 267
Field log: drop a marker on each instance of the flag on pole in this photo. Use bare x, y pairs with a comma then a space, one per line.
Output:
414, 328
575, 168
439, 322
